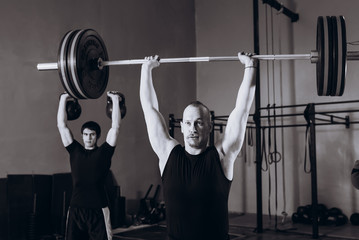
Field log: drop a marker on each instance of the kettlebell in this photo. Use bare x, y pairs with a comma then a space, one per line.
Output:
73, 109
354, 219
295, 218
122, 105
336, 217
341, 220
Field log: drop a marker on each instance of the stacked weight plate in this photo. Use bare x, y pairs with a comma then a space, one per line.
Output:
332, 51
78, 56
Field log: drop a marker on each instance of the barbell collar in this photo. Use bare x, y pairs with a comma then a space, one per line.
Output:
314, 56
352, 55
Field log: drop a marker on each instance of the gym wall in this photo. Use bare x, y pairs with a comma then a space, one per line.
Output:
228, 28
31, 34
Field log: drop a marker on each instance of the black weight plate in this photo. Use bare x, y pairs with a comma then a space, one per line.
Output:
72, 68
320, 62
336, 57
62, 64
325, 55
86, 48
343, 47
328, 66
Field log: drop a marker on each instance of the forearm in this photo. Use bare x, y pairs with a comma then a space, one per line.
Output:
116, 115
113, 133
246, 91
148, 95
61, 114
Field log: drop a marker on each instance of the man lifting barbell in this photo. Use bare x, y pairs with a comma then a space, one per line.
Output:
88, 214
197, 178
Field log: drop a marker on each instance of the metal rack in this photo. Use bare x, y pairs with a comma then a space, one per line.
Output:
312, 118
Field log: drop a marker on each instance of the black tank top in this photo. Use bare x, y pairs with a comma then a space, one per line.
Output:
89, 169
196, 195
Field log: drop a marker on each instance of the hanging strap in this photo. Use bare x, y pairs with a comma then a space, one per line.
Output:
250, 137
264, 151
307, 142
269, 173
274, 156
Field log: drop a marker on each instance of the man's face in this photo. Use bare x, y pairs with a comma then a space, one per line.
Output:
90, 138
196, 127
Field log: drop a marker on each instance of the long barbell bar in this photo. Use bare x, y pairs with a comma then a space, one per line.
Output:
207, 59
351, 55
313, 56
101, 63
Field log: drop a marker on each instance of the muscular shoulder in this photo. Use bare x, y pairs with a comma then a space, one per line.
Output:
177, 149
74, 145
174, 153
106, 145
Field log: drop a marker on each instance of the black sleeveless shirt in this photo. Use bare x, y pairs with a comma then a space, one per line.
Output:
89, 169
196, 195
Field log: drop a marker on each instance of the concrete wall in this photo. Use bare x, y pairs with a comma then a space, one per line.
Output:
227, 28
31, 32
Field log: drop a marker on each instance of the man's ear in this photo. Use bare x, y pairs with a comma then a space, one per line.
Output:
181, 126
211, 126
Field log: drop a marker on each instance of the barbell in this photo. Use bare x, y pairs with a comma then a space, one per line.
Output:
83, 63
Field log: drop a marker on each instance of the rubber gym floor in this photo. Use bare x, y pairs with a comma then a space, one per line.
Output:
243, 226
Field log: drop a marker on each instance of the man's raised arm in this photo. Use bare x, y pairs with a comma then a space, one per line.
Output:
112, 134
230, 146
65, 133
162, 143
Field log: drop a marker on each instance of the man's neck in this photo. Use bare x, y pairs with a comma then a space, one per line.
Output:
194, 151
90, 148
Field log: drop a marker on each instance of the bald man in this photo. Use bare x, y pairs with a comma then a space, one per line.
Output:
197, 178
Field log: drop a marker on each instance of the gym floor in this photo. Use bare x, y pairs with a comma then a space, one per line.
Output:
243, 227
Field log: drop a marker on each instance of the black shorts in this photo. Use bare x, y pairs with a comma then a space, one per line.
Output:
88, 223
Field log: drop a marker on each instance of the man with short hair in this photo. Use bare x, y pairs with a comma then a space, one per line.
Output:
196, 178
88, 214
